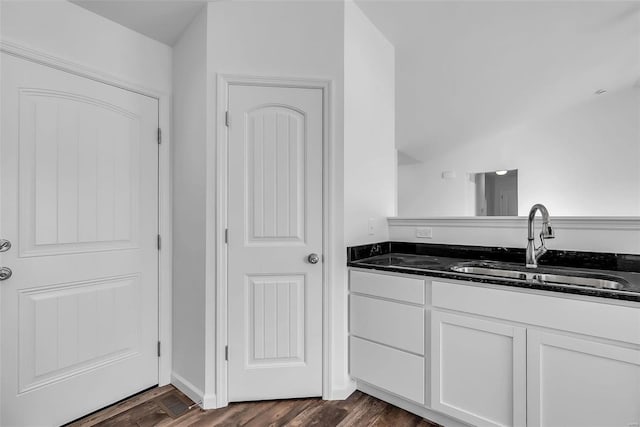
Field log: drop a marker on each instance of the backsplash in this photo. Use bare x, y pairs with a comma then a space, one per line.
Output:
590, 234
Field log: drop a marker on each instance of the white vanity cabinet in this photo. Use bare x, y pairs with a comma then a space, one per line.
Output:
582, 363
489, 355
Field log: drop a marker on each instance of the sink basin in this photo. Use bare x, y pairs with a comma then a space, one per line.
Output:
581, 281
596, 281
494, 272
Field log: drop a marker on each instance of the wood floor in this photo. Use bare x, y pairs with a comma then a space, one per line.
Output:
156, 406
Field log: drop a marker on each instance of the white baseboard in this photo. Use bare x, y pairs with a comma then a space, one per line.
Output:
190, 390
341, 393
209, 401
422, 411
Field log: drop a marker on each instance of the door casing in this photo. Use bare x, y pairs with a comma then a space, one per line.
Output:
164, 181
217, 197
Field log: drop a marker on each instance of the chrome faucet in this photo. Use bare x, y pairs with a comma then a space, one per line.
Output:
533, 253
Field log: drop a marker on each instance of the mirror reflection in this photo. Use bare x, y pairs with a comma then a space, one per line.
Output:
496, 193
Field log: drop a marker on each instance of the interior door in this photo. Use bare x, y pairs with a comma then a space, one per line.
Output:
275, 227
79, 190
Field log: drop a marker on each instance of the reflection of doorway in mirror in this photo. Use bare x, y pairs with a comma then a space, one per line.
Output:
496, 193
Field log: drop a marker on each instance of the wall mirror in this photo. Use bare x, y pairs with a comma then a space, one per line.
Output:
551, 89
495, 193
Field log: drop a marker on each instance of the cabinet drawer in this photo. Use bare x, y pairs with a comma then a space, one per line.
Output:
393, 370
391, 323
382, 285
583, 317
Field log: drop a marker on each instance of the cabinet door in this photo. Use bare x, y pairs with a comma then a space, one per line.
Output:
478, 370
578, 382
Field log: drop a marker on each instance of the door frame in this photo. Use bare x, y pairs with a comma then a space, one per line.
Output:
164, 180
217, 197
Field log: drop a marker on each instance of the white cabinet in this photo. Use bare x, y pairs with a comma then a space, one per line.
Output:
496, 356
387, 333
478, 370
575, 382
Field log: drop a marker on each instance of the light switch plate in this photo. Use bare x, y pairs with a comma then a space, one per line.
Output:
424, 232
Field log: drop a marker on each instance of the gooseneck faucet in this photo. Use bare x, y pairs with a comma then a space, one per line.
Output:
533, 253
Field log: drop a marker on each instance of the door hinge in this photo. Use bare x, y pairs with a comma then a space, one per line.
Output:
226, 352
226, 118
158, 348
226, 235
159, 136
159, 242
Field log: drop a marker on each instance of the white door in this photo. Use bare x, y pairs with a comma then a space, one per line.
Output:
79, 206
574, 382
478, 370
275, 223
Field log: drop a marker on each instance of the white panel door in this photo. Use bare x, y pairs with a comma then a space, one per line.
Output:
275, 222
573, 382
478, 370
79, 205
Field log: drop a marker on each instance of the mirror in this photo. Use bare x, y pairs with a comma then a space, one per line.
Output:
551, 89
495, 193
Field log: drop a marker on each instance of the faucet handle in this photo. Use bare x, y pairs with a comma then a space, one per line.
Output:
542, 249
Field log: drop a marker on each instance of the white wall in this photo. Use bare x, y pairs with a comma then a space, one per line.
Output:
589, 234
72, 37
228, 38
369, 129
67, 31
299, 40
584, 160
189, 184
287, 39
484, 85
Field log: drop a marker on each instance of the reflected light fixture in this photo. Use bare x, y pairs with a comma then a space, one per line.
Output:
501, 173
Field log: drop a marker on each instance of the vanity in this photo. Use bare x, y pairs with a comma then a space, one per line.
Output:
467, 335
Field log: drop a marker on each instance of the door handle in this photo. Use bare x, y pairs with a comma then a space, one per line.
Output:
5, 273
313, 258
5, 245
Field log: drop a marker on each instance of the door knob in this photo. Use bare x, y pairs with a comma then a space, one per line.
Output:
313, 258
5, 245
5, 273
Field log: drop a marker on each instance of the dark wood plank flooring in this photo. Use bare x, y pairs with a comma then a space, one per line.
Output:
167, 407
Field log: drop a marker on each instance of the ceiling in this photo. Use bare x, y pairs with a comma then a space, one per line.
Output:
468, 70
160, 20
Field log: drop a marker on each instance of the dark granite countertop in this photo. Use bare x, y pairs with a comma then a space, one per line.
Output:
438, 260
